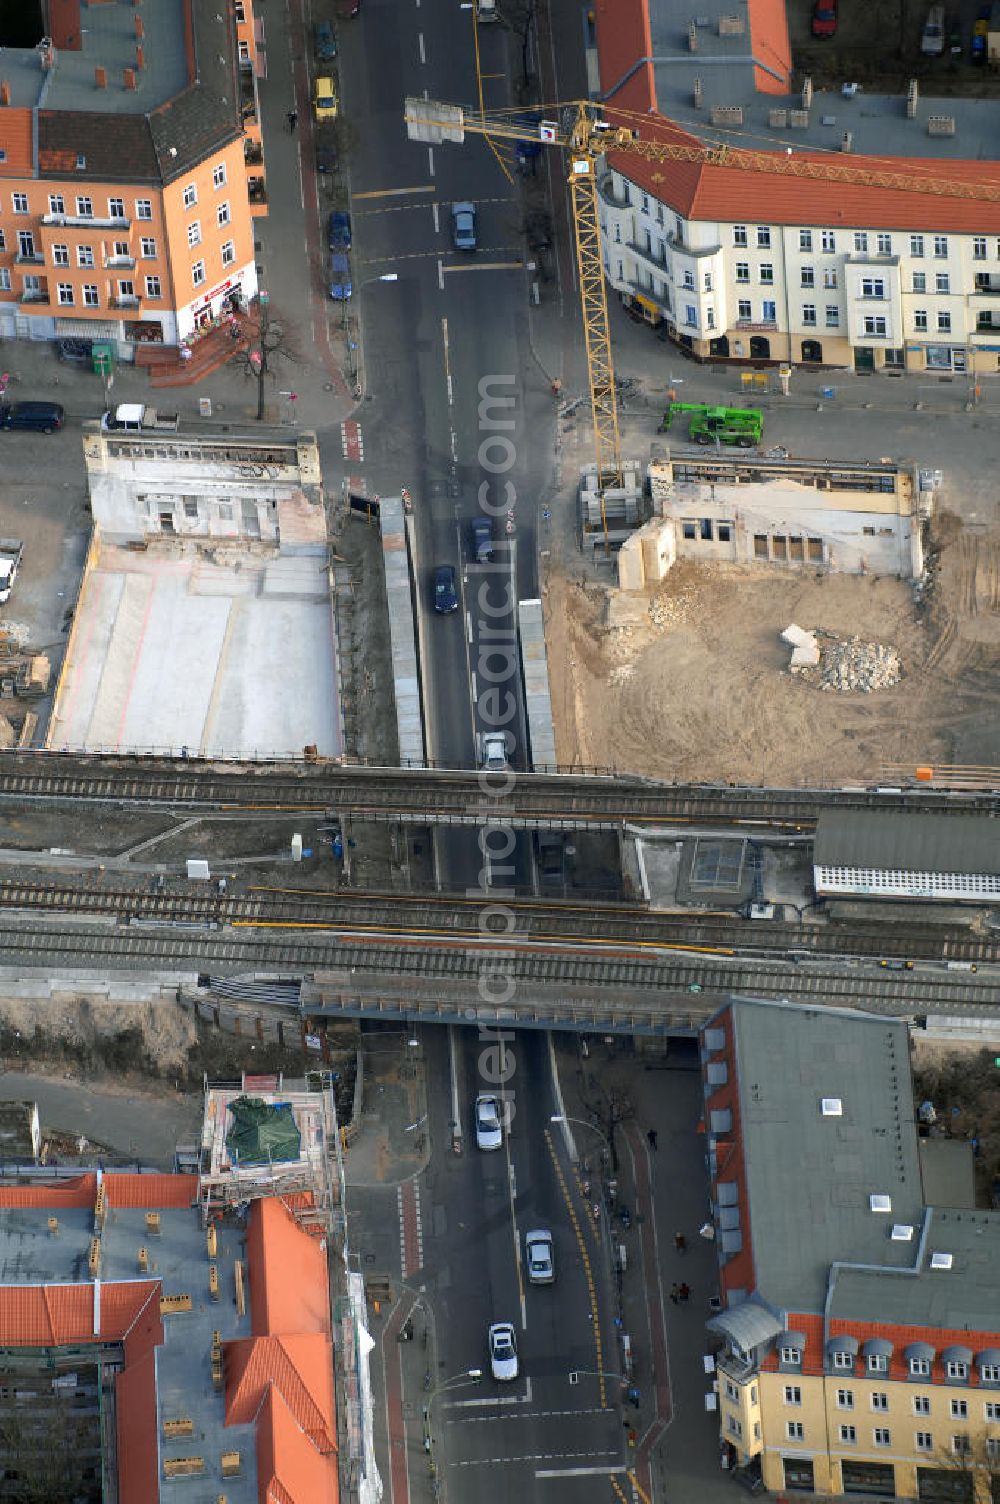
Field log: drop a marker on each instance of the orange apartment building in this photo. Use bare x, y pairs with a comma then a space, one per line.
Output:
131, 170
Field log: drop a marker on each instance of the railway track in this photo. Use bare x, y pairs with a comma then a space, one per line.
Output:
403, 916
421, 796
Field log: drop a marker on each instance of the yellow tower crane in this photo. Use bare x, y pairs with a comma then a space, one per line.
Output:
580, 129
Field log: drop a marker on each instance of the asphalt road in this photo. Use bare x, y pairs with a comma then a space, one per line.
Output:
546, 1435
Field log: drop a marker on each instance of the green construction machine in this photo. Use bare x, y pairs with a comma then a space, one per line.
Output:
724, 425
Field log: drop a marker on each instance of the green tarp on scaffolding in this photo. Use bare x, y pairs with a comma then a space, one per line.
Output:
261, 1133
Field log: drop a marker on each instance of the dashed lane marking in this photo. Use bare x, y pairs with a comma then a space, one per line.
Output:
411, 1237
595, 1313
491, 1420
542, 1457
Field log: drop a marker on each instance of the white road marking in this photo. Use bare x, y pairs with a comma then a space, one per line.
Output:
475, 688
436, 217
550, 1457
491, 1420
487, 266
579, 1472
468, 625
497, 1399
423, 52
430, 159
440, 274
453, 1070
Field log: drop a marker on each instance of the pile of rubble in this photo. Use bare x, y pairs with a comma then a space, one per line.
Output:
670, 609
849, 666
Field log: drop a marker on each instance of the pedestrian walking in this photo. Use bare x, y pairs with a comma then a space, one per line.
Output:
675, 1292
651, 1137
634, 1396
293, 119
680, 1242
685, 1292
632, 1437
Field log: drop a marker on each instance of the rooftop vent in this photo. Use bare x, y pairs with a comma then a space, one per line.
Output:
912, 99
832, 1107
941, 125
879, 1203
941, 1260
902, 1232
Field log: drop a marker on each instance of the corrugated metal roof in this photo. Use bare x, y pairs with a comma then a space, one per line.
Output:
907, 843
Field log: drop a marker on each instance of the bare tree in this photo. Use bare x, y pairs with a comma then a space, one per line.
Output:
972, 1469
41, 1451
268, 342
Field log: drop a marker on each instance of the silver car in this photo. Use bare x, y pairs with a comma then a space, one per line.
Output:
503, 1352
489, 1122
538, 1257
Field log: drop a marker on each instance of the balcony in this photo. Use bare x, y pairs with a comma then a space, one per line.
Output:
122, 263
125, 300
987, 286
29, 258
757, 326
645, 253
740, 1370
84, 222
34, 295
606, 191
253, 153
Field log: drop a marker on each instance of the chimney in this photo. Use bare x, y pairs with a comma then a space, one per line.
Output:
4, 92
100, 78
139, 32
128, 78
140, 58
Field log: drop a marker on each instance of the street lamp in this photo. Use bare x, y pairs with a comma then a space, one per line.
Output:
564, 1117
457, 1381
366, 282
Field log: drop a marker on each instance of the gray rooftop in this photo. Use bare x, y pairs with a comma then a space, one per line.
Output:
725, 65
29, 1254
965, 1296
810, 1176
907, 843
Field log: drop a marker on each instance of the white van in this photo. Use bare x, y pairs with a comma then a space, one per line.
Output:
486, 10
932, 40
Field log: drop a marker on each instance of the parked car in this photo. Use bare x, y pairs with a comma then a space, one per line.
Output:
463, 226
538, 1257
76, 352
824, 21
482, 539
503, 1352
489, 1124
324, 42
493, 751
445, 589
326, 160
43, 417
340, 231
324, 99
932, 37
340, 277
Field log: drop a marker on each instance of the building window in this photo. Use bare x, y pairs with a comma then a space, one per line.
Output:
793, 1394
85, 255
878, 1362
861, 242
190, 506
645, 205
708, 282
944, 323
990, 1373
875, 327
60, 255
845, 1399
920, 325
4, 279
763, 238
194, 233
940, 245
961, 1444
225, 511
144, 208
709, 318
993, 1449
690, 316
844, 1360
64, 291
126, 291
153, 287
979, 247
924, 1441
768, 312
959, 1409
228, 253
190, 195
916, 245
808, 274
794, 1430
872, 287
921, 1404
85, 208
90, 298
881, 1437
942, 282
739, 235
766, 273
805, 240
745, 312
828, 240
219, 175
919, 281
57, 204
880, 1400
148, 248
848, 1433
116, 208
223, 214
884, 244
809, 314
20, 202
743, 271
791, 1355
830, 277
832, 316
991, 1410
688, 278
198, 273
241, 15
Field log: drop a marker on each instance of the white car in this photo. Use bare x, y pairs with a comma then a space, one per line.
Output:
503, 1352
489, 1122
538, 1257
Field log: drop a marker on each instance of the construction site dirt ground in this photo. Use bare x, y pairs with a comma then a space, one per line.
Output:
706, 696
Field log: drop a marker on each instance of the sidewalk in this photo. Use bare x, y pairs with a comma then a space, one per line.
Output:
666, 1191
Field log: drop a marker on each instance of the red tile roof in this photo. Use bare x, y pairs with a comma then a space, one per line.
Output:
80, 1191
288, 1274
52, 1315
135, 1390
770, 46
623, 40
150, 1191
289, 1469
300, 1367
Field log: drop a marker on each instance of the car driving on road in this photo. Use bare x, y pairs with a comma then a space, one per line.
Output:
445, 589
503, 1352
538, 1257
489, 1123
463, 226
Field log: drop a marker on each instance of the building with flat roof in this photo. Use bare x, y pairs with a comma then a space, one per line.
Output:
906, 856
887, 256
859, 1321
131, 170
142, 1351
